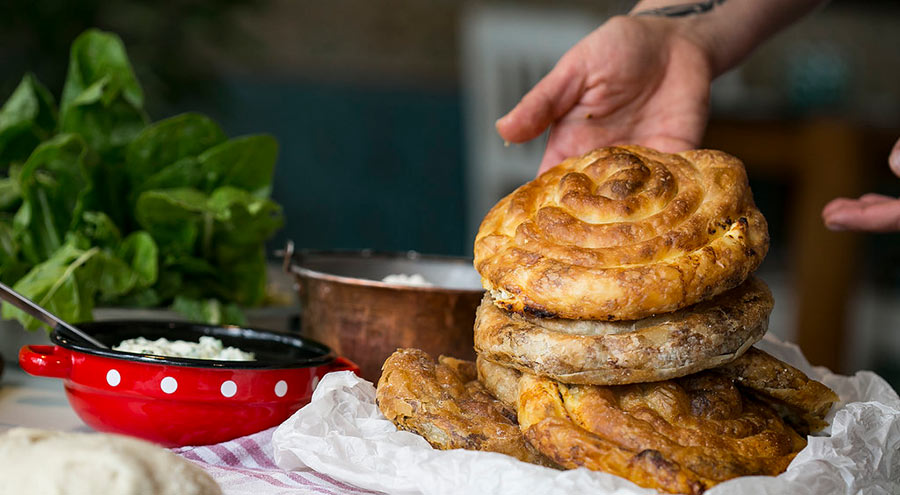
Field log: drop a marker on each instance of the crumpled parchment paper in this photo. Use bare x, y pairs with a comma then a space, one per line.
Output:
342, 433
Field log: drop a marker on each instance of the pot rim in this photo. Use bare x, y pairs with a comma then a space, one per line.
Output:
325, 354
296, 267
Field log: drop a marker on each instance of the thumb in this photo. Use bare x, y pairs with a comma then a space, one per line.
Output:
894, 159
549, 100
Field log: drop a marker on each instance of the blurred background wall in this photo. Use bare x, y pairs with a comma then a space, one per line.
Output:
384, 112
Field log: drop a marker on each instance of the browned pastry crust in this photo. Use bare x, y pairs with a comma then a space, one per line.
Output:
444, 403
622, 233
680, 436
654, 433
802, 401
670, 345
500, 381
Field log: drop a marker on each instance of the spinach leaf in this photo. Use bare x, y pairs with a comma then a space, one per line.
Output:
242, 217
11, 267
242, 274
167, 142
140, 252
190, 265
186, 172
216, 240
102, 100
108, 191
55, 285
109, 276
210, 311
243, 223
168, 155
73, 278
174, 217
10, 195
99, 230
141, 298
188, 276
53, 182
8, 246
172, 283
246, 162
131, 269
27, 118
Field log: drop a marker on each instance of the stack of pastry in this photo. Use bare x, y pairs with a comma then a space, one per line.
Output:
616, 330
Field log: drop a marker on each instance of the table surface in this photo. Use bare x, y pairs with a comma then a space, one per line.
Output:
35, 402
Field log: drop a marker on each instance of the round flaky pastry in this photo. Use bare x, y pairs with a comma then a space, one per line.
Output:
680, 436
670, 345
622, 233
445, 404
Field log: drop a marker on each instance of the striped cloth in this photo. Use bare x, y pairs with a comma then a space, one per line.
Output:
244, 466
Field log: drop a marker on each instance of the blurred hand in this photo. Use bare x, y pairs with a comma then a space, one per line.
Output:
634, 80
871, 212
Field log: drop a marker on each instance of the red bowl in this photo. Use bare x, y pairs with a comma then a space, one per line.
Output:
178, 401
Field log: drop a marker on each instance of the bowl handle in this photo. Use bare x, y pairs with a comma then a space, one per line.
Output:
51, 361
342, 364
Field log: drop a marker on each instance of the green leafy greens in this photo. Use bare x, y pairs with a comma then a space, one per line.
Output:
99, 206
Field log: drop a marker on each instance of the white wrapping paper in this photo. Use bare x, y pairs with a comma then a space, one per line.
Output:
342, 433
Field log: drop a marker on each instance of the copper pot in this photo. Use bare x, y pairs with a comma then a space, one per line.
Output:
345, 305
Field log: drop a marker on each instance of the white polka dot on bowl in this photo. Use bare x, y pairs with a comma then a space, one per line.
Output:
168, 385
281, 388
228, 388
113, 378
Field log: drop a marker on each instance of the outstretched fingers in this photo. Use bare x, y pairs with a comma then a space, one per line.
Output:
549, 100
872, 212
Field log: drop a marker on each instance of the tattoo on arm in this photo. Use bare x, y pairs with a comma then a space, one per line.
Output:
683, 10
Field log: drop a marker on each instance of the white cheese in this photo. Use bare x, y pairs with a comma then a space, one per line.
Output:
207, 348
414, 280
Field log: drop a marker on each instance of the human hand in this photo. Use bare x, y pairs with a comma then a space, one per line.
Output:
633, 80
871, 212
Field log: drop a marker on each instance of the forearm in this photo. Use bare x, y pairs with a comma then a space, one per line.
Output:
729, 31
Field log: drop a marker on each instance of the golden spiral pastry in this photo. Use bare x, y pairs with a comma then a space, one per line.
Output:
622, 233
702, 336
680, 436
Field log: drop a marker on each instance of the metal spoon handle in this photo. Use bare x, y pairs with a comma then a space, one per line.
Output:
30, 307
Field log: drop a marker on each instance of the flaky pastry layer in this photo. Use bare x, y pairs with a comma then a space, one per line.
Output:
444, 403
670, 345
802, 401
682, 435
622, 233
679, 436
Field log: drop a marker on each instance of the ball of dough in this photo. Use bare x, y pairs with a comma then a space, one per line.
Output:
62, 463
